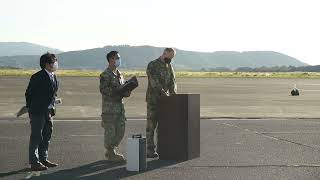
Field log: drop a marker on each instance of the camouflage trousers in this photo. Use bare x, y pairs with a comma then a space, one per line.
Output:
152, 124
114, 128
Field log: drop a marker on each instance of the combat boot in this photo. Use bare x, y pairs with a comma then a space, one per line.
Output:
152, 154
112, 155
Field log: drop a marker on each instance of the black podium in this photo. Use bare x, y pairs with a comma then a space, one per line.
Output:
179, 127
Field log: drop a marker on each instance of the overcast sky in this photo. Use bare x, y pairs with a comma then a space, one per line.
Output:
287, 26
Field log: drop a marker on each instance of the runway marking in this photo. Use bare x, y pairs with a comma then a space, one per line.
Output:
97, 119
250, 119
311, 84
77, 120
249, 166
273, 137
14, 138
86, 135
311, 90
61, 120
71, 135
256, 132
288, 132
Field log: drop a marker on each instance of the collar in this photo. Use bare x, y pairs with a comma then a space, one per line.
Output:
163, 63
116, 72
159, 59
51, 74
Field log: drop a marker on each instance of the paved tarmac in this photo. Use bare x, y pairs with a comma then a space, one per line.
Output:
220, 97
230, 149
250, 129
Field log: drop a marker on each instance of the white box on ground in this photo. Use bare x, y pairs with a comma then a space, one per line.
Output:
136, 153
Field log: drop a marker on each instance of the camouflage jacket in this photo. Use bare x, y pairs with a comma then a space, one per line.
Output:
160, 78
110, 84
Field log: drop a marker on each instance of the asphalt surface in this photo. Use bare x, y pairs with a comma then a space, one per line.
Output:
220, 97
254, 130
230, 149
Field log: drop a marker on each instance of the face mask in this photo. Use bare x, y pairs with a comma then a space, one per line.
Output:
167, 60
118, 63
55, 66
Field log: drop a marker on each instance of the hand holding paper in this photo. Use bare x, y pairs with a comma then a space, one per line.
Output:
130, 85
58, 101
24, 109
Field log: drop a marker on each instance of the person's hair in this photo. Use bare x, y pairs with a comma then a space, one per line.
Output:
111, 54
170, 50
47, 58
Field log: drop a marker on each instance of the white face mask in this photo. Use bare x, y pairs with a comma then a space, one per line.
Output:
55, 66
118, 62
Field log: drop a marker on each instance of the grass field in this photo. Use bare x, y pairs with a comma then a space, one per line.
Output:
179, 74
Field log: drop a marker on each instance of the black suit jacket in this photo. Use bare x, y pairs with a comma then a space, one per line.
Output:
41, 92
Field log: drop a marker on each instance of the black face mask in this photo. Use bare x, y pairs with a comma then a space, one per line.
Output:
167, 60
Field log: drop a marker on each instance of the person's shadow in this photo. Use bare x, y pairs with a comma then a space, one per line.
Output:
102, 170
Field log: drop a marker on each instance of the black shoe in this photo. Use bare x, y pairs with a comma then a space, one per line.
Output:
38, 167
49, 164
152, 155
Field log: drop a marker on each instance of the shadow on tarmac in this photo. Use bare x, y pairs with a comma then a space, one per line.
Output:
99, 170
14, 172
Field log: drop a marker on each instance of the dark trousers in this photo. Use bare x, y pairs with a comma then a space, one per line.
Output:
41, 130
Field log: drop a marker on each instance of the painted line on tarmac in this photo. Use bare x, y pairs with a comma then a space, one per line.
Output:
250, 166
289, 132
222, 119
316, 147
310, 90
142, 119
61, 120
86, 135
93, 120
82, 120
13, 138
311, 84
246, 119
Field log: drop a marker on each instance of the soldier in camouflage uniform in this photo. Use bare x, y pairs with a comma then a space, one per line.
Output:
161, 82
113, 113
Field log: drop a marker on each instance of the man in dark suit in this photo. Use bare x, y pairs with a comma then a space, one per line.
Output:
40, 101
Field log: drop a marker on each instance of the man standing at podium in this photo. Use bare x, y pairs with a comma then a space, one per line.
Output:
161, 82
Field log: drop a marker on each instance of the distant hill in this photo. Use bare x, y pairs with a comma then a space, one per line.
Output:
24, 48
137, 58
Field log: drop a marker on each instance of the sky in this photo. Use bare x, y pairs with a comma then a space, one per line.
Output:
288, 26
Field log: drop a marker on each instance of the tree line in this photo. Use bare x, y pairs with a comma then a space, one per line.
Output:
265, 69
